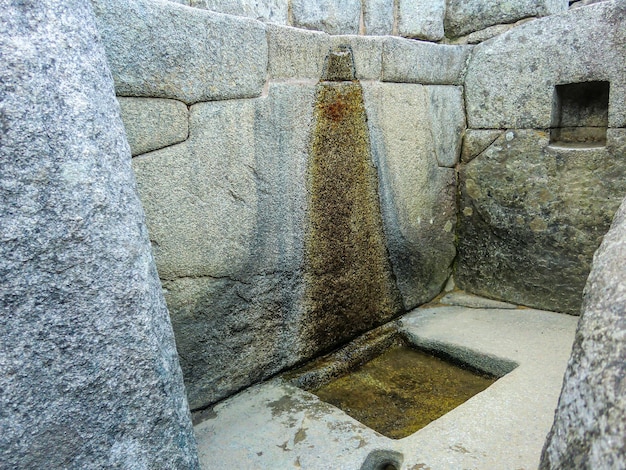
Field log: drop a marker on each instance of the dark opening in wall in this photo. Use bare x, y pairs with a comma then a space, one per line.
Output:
580, 114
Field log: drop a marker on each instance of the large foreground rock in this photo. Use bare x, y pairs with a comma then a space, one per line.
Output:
89, 376
590, 422
161, 49
532, 216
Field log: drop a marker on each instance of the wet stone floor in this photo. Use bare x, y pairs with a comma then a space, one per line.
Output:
402, 390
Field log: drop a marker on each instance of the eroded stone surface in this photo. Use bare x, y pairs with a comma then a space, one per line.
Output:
89, 376
466, 16
153, 123
330, 16
511, 79
421, 19
476, 141
295, 53
447, 113
409, 61
164, 50
590, 420
532, 215
417, 196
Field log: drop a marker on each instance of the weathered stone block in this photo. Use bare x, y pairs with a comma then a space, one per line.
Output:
367, 53
409, 61
447, 113
268, 11
89, 376
330, 16
421, 19
227, 227
590, 420
475, 141
295, 53
378, 17
532, 215
417, 196
160, 49
466, 16
511, 79
153, 123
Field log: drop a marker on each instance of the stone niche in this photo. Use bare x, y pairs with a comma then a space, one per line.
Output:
580, 114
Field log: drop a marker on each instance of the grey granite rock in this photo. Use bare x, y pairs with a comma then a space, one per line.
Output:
367, 53
485, 34
417, 196
533, 214
421, 19
295, 53
153, 123
89, 376
475, 141
160, 49
227, 226
269, 11
447, 113
467, 16
511, 79
409, 61
464, 299
330, 16
378, 17
590, 420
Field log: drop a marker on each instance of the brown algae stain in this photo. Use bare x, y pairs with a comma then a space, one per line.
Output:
300, 436
350, 287
402, 390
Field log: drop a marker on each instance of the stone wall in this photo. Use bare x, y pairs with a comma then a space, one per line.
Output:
534, 210
221, 114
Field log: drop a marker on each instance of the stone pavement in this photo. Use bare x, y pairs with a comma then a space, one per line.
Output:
275, 425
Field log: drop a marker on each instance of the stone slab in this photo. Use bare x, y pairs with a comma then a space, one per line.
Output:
447, 111
89, 376
330, 16
466, 16
227, 228
417, 196
409, 61
463, 299
532, 216
295, 53
277, 425
421, 19
268, 11
590, 420
367, 53
160, 49
511, 79
378, 17
475, 141
153, 123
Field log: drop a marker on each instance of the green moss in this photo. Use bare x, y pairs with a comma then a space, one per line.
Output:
350, 285
402, 391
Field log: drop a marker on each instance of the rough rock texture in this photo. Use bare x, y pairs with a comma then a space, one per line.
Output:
417, 196
487, 33
161, 49
475, 141
511, 79
295, 53
330, 16
367, 53
421, 19
227, 227
447, 113
349, 283
532, 215
466, 16
378, 17
409, 61
153, 123
590, 421
270, 11
89, 376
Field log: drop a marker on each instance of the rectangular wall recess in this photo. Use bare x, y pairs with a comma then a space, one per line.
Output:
580, 114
